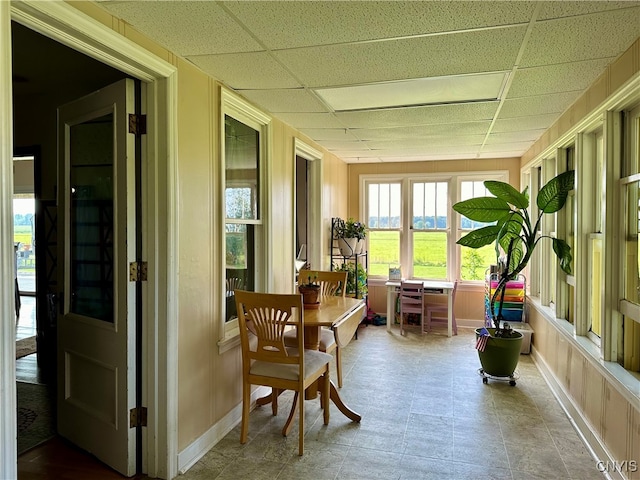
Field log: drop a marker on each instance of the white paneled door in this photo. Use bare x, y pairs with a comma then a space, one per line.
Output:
97, 242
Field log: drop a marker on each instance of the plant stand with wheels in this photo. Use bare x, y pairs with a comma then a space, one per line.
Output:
509, 378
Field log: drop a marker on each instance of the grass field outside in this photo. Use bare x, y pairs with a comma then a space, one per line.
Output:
430, 256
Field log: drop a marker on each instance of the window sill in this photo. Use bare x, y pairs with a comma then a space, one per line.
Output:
230, 341
626, 382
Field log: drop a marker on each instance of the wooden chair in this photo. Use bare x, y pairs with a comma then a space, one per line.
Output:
411, 300
331, 283
442, 309
233, 283
267, 361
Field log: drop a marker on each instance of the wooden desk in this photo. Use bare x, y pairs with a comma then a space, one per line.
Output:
342, 315
432, 287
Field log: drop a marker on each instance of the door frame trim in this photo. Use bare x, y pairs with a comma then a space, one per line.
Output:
70, 26
315, 247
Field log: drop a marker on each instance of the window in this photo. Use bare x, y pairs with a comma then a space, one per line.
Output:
384, 223
430, 230
630, 257
410, 223
243, 162
473, 262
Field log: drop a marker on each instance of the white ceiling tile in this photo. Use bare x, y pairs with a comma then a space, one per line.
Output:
556, 78
575, 39
468, 52
186, 28
275, 52
429, 115
344, 145
538, 105
566, 8
523, 136
511, 147
330, 134
246, 70
468, 128
311, 120
534, 122
285, 100
505, 154
283, 24
425, 142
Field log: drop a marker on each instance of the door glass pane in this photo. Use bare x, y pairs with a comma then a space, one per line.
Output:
23, 240
91, 210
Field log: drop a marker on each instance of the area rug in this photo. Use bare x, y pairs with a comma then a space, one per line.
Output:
25, 346
35, 415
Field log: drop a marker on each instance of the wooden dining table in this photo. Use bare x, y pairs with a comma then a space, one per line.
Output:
342, 315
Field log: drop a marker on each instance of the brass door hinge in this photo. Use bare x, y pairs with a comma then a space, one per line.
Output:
137, 124
138, 417
138, 272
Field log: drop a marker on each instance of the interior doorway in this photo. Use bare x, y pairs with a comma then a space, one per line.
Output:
46, 74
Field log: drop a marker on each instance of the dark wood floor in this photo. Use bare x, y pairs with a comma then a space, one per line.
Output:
55, 459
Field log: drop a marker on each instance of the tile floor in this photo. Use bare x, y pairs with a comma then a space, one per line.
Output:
425, 415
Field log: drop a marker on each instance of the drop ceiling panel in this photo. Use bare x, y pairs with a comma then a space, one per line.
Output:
186, 28
468, 128
285, 100
557, 78
330, 134
276, 52
534, 122
246, 70
571, 9
311, 120
459, 53
575, 39
538, 105
523, 136
424, 142
282, 25
439, 114
510, 147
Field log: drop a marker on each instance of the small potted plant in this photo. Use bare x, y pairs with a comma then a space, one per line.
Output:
515, 235
349, 233
310, 292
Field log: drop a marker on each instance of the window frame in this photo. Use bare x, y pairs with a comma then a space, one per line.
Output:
453, 230
236, 107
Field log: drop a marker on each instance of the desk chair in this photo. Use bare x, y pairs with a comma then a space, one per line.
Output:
411, 300
331, 283
267, 361
442, 309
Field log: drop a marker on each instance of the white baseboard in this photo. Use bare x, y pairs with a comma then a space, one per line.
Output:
188, 457
589, 437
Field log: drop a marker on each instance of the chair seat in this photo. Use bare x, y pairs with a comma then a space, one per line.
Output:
313, 360
327, 339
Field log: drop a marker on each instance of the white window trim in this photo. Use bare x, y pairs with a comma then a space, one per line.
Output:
238, 108
607, 115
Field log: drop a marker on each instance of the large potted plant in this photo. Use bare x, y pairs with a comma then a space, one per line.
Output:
515, 235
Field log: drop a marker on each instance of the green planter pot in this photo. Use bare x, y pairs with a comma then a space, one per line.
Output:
501, 355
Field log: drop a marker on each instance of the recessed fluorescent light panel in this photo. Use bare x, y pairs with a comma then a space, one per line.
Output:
416, 92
